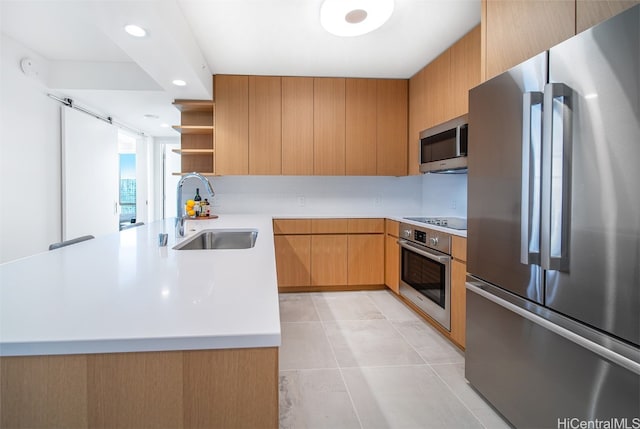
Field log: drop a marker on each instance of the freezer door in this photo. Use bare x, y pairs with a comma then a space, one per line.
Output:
599, 281
539, 373
503, 221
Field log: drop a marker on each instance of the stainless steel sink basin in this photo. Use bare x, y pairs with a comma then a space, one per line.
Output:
220, 239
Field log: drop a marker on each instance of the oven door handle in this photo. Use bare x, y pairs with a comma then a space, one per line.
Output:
414, 248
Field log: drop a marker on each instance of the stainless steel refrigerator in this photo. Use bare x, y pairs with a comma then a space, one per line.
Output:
553, 292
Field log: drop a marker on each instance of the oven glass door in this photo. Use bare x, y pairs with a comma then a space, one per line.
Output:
426, 276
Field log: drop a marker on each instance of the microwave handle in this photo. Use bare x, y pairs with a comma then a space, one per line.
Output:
458, 140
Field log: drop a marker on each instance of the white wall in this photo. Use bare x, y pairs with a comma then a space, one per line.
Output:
444, 195
30, 210
313, 195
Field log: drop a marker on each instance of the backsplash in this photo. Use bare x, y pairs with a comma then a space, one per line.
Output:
444, 195
314, 195
428, 195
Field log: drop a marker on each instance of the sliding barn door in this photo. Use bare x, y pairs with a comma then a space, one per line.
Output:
89, 175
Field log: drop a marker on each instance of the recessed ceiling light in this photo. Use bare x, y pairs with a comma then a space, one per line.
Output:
135, 30
349, 18
164, 125
179, 82
151, 116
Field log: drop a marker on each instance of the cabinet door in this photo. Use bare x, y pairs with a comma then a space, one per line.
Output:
417, 119
232, 124
329, 126
391, 143
465, 70
265, 125
366, 259
439, 104
360, 133
392, 263
519, 30
458, 301
328, 260
592, 12
297, 126
293, 260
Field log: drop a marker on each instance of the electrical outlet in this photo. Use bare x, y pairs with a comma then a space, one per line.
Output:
454, 204
377, 201
301, 201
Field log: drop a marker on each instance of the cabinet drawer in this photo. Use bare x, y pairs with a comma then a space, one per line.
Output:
392, 227
291, 226
329, 226
365, 226
459, 248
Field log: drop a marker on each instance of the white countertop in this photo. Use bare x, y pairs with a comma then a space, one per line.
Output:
460, 233
124, 293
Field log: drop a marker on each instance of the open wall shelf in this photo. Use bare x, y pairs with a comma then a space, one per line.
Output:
197, 139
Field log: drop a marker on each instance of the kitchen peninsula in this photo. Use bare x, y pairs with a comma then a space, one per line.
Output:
119, 332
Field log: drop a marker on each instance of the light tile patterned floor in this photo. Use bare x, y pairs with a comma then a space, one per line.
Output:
365, 360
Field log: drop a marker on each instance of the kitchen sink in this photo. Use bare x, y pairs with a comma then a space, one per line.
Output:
220, 239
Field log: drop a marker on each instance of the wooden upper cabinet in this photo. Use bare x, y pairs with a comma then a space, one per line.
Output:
329, 126
592, 12
297, 126
265, 125
392, 124
360, 137
465, 70
439, 105
519, 30
417, 119
232, 124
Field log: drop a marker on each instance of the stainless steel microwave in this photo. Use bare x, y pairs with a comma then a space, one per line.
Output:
443, 149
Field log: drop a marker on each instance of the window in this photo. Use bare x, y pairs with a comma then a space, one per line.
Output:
128, 185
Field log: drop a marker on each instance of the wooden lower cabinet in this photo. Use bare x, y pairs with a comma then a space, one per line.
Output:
392, 256
293, 260
329, 260
365, 259
173, 389
329, 254
458, 289
458, 301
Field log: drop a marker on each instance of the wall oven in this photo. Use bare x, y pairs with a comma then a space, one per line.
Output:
425, 271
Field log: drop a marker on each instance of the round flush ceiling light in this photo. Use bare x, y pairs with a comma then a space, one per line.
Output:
135, 30
179, 82
350, 18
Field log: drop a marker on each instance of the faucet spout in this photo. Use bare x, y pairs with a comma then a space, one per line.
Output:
180, 214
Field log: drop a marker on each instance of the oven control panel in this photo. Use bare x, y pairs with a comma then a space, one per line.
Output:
427, 237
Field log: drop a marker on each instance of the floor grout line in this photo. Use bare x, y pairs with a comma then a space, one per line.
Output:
464, 404
431, 366
333, 352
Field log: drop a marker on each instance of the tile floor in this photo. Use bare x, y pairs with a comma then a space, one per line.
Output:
365, 360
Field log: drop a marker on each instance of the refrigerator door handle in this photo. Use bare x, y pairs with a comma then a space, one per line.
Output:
556, 177
530, 195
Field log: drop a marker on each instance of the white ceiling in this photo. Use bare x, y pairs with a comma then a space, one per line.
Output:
90, 59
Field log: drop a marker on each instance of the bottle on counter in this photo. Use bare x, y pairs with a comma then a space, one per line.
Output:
207, 208
197, 197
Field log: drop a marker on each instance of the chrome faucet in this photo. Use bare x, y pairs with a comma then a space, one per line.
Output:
180, 215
